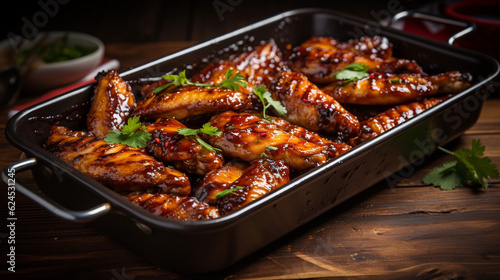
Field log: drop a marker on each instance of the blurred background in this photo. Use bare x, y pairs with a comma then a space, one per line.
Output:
116, 21
123, 25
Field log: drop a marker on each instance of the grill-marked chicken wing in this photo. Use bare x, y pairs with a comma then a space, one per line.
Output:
220, 179
181, 208
320, 57
392, 89
247, 137
261, 64
334, 149
183, 153
188, 100
258, 66
112, 104
311, 108
117, 166
262, 177
392, 117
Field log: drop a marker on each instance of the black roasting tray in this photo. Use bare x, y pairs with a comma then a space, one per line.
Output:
204, 246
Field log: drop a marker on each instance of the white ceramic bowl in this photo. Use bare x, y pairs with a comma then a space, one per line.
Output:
46, 76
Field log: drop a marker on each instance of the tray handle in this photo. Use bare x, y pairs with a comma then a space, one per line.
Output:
45, 201
468, 26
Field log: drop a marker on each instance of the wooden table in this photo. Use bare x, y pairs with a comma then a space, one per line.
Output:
410, 231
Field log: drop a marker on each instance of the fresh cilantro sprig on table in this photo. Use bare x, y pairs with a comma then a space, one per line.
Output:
207, 128
268, 101
352, 72
132, 134
227, 192
231, 82
470, 168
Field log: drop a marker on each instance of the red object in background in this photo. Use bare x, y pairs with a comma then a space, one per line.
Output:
486, 15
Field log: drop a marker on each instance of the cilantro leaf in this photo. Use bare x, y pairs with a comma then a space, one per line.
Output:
177, 80
444, 176
207, 128
470, 168
227, 192
477, 168
352, 72
233, 82
132, 134
267, 101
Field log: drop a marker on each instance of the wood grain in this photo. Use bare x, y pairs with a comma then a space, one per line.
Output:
408, 231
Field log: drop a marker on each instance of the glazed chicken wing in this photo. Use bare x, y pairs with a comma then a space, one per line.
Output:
183, 153
261, 64
320, 57
258, 66
334, 149
392, 117
181, 208
117, 166
247, 137
260, 178
112, 104
189, 100
392, 89
309, 107
220, 179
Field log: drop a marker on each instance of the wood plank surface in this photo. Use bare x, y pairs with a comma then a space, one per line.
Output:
407, 231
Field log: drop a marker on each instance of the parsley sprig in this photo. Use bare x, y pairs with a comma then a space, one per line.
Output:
352, 72
207, 128
268, 101
132, 134
470, 168
232, 82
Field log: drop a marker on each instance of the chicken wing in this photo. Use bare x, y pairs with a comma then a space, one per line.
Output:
261, 64
392, 89
117, 166
189, 100
391, 118
112, 103
220, 179
181, 208
320, 57
258, 65
334, 149
247, 137
262, 177
183, 153
309, 107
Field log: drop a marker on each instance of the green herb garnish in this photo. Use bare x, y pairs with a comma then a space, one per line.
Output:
272, 148
177, 80
352, 72
267, 101
231, 82
227, 192
470, 168
207, 128
132, 134
395, 80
